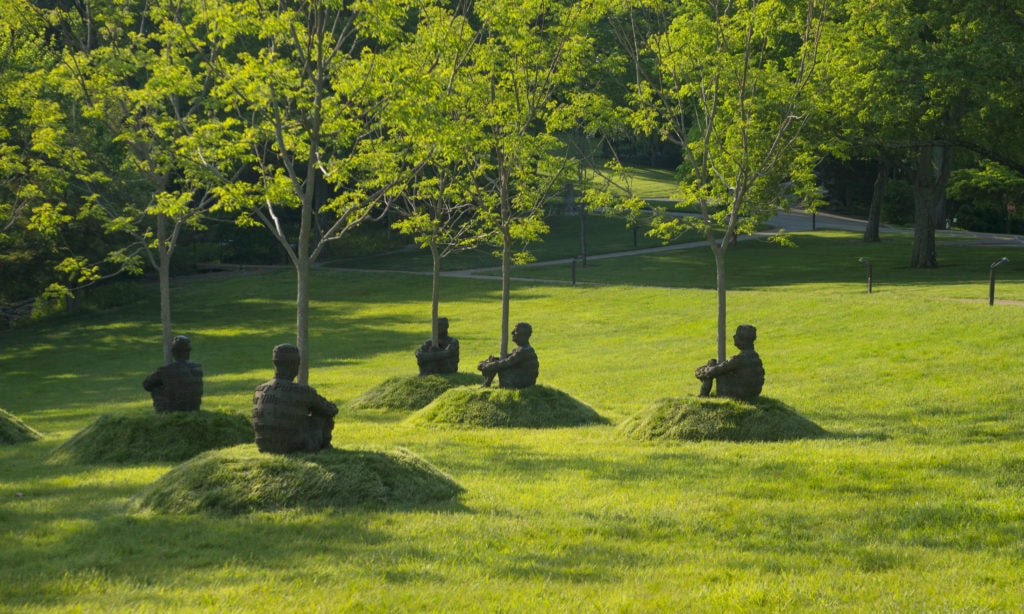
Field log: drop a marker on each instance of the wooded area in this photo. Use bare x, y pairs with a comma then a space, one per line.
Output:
128, 126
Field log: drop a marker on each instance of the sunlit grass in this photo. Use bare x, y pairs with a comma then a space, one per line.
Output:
912, 503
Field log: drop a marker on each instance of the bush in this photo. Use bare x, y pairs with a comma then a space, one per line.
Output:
153, 437
13, 430
712, 418
411, 392
533, 407
241, 480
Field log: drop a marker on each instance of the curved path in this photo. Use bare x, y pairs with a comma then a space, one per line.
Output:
790, 221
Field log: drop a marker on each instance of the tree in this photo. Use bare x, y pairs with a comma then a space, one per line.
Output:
432, 150
918, 81
28, 177
522, 76
731, 84
293, 89
144, 75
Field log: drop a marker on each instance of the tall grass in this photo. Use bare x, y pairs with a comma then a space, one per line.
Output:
912, 503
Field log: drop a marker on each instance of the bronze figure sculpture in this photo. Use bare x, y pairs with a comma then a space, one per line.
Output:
441, 359
742, 376
290, 417
177, 386
517, 370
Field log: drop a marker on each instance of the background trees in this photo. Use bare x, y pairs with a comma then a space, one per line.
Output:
143, 77
28, 178
125, 123
931, 85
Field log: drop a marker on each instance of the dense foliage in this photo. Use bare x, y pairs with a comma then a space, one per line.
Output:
128, 127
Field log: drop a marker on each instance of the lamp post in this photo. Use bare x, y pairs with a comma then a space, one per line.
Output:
992, 280
867, 263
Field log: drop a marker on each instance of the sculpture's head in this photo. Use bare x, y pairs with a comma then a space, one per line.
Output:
442, 327
745, 336
521, 333
181, 347
286, 361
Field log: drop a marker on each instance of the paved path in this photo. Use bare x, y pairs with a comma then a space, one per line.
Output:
790, 221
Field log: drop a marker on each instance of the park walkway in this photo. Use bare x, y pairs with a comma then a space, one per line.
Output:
789, 221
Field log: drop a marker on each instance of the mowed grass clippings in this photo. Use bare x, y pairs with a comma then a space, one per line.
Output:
153, 437
410, 392
910, 503
534, 407
14, 430
242, 480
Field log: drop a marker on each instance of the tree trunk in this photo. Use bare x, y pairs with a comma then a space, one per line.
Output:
582, 213
302, 317
720, 285
934, 163
164, 254
506, 285
302, 273
871, 232
506, 249
435, 294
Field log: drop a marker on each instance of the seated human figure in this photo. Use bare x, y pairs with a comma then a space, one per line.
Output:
441, 359
740, 377
177, 386
517, 370
290, 417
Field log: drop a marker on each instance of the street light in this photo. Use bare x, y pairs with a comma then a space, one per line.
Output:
867, 263
992, 280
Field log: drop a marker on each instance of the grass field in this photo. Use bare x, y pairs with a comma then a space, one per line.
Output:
914, 502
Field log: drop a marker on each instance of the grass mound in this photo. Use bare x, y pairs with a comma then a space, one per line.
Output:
241, 480
153, 437
710, 418
411, 392
533, 407
13, 430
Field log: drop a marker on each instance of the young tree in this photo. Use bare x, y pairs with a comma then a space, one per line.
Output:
293, 89
121, 114
731, 83
433, 151
524, 71
147, 80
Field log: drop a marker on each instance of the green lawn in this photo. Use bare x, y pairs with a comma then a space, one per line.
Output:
603, 234
915, 502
